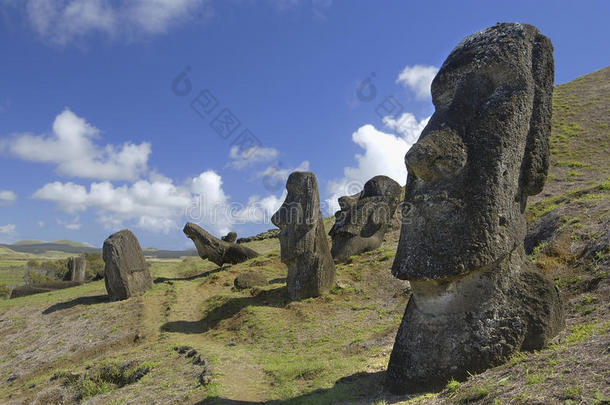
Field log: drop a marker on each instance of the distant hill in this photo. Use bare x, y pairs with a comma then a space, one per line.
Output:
28, 242
70, 243
68, 246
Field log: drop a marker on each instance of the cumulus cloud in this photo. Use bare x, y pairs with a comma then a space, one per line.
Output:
7, 197
383, 155
71, 226
155, 205
241, 158
418, 79
62, 21
72, 150
8, 229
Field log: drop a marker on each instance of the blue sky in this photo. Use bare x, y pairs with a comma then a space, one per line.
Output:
99, 132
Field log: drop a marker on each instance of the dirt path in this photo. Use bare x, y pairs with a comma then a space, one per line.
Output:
235, 369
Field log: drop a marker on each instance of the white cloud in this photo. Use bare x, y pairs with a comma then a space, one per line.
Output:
155, 205
8, 229
383, 155
241, 158
71, 226
62, 21
259, 209
7, 197
418, 78
72, 150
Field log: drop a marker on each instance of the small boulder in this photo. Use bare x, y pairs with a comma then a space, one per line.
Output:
249, 279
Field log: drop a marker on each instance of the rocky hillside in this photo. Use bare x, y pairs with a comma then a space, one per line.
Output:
195, 338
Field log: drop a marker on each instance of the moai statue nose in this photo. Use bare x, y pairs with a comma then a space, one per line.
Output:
438, 154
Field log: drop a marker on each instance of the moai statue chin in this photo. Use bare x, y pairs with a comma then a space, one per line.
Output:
303, 243
476, 297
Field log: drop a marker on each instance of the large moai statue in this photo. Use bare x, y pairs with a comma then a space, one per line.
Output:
364, 218
303, 243
217, 250
476, 297
77, 266
126, 272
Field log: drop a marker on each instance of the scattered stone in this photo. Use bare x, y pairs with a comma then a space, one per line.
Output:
230, 237
182, 349
476, 299
303, 243
76, 269
215, 250
249, 279
126, 272
12, 377
364, 218
192, 353
205, 377
270, 234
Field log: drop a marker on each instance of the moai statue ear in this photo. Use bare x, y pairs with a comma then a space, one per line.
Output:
536, 158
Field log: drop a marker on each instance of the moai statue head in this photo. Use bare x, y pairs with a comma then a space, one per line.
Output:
483, 152
299, 213
364, 218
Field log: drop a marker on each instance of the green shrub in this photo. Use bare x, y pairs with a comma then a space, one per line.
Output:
43, 271
5, 292
95, 266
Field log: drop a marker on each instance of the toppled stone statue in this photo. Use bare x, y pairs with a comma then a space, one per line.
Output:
76, 269
126, 272
230, 237
476, 298
303, 243
215, 250
364, 218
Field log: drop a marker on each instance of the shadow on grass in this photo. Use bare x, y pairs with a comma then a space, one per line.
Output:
189, 278
96, 299
277, 297
362, 386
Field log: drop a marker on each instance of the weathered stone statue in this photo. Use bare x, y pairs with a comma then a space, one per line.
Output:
215, 250
303, 243
364, 218
476, 298
77, 266
126, 272
230, 237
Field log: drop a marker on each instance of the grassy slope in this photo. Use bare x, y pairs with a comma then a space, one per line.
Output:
331, 349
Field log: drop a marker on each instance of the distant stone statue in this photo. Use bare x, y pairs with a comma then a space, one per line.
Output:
230, 237
364, 218
476, 297
216, 250
126, 272
303, 243
76, 269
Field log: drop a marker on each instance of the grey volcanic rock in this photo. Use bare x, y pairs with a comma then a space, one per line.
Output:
249, 279
364, 218
230, 237
215, 250
476, 298
303, 243
76, 269
126, 272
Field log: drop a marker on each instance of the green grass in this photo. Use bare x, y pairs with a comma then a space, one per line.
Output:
579, 333
453, 387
